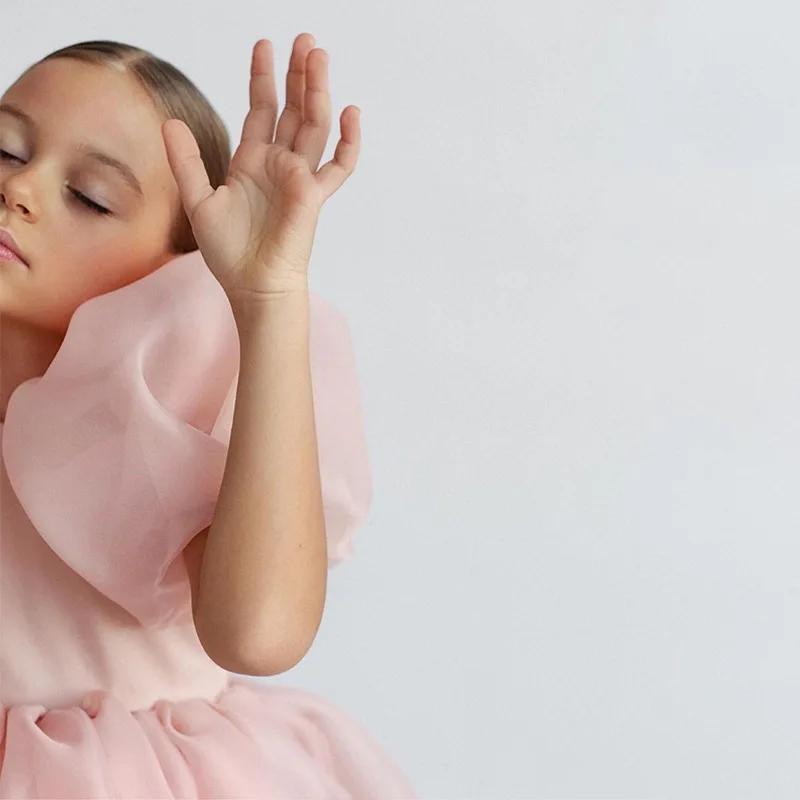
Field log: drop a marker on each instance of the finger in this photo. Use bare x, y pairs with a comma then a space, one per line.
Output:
186, 164
313, 134
259, 124
292, 116
344, 160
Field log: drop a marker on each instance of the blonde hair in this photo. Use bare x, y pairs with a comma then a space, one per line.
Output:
175, 97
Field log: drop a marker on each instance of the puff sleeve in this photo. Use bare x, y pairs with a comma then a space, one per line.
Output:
117, 452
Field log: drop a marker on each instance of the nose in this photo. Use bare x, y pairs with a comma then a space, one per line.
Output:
16, 193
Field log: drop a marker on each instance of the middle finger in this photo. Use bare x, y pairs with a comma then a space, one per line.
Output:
292, 116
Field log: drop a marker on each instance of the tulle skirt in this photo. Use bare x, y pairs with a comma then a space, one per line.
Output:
251, 741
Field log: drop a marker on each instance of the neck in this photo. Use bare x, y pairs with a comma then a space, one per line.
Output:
25, 352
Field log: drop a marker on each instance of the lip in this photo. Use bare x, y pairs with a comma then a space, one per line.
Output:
8, 241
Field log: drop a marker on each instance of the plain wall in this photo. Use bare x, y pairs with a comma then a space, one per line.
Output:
568, 258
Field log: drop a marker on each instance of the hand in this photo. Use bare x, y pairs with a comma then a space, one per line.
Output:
256, 230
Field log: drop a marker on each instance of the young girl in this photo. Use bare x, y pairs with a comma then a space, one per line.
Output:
173, 492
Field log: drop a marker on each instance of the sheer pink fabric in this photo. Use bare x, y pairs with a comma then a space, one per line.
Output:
111, 463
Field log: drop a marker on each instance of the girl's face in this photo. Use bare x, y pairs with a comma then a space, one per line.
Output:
61, 126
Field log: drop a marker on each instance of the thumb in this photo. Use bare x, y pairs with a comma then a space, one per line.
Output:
186, 164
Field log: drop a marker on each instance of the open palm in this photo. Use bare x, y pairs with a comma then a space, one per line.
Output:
256, 230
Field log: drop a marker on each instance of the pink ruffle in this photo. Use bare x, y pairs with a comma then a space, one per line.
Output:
252, 741
117, 452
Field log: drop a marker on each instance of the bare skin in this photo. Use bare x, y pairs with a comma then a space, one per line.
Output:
72, 251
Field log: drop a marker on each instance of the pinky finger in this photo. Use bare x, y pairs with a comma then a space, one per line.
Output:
333, 174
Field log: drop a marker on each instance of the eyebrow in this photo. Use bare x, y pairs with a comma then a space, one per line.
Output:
87, 150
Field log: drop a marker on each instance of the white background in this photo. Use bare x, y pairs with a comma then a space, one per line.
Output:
568, 258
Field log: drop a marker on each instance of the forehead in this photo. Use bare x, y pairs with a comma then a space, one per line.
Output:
73, 103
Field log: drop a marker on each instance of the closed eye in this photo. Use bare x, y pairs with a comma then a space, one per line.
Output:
81, 198
4, 155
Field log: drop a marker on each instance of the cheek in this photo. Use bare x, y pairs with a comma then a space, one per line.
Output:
76, 274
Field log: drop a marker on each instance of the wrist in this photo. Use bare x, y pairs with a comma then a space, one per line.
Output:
284, 308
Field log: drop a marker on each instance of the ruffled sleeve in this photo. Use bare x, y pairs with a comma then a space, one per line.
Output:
117, 452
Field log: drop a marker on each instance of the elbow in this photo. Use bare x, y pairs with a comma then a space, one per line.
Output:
282, 649
256, 656
274, 662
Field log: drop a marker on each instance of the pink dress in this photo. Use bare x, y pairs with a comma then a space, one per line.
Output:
111, 463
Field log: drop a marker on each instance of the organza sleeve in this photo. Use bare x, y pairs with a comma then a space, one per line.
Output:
117, 452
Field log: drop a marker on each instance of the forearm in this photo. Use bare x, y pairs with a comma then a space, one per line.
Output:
264, 571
